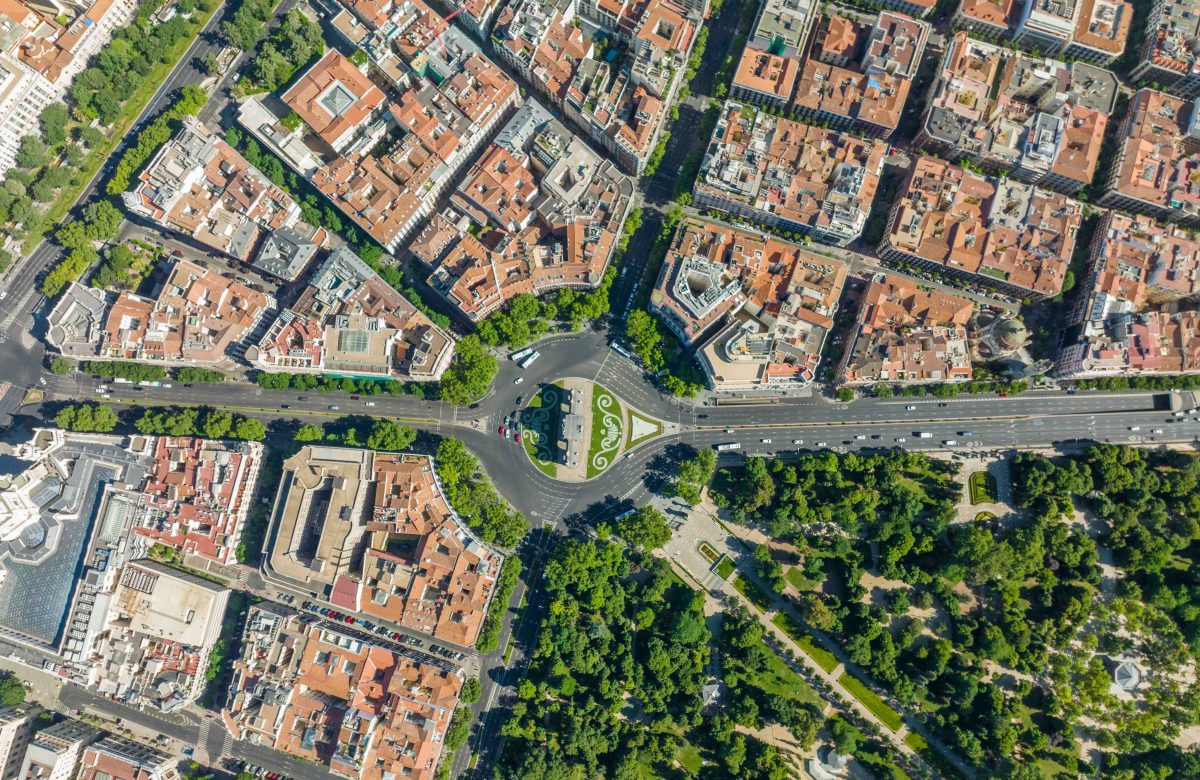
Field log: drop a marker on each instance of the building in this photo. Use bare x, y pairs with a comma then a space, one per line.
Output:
770, 65
43, 48
1137, 316
116, 758
375, 534
858, 77
988, 233
1037, 118
1047, 26
15, 727
349, 321
917, 9
384, 140
286, 252
365, 710
161, 628
1168, 55
621, 100
539, 211
476, 15
790, 175
1101, 31
1156, 169
54, 752
907, 334
197, 495
197, 318
200, 187
755, 309
992, 18
75, 327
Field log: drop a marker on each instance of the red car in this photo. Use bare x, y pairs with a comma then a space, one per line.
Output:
349, 619
396, 635
517, 438
501, 431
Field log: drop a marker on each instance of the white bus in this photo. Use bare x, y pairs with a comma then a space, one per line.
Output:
529, 360
516, 357
621, 350
733, 445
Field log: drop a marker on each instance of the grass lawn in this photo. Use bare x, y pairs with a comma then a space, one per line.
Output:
689, 757
984, 517
725, 567
780, 679
541, 422
607, 422
795, 576
117, 133
983, 488
871, 700
825, 659
916, 742
752, 592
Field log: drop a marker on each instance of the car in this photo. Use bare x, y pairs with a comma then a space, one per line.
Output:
517, 438
943, 404
966, 434
821, 444
900, 439
302, 398
369, 403
729, 430
350, 619
1135, 427
42, 381
1157, 430
910, 408
518, 380
765, 441
333, 408
500, 431
356, 398
797, 441
520, 400
860, 437
284, 406
1004, 395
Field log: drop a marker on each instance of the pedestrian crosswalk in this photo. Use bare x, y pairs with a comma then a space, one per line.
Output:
202, 737
227, 744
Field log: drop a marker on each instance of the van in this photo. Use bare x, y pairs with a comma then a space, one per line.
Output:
924, 435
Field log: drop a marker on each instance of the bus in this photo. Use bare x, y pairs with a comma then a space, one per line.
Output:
517, 357
621, 350
529, 360
733, 445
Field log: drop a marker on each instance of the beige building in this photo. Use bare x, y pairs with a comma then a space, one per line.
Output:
54, 752
14, 737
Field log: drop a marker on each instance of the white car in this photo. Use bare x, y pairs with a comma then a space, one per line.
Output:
860, 436
910, 408
766, 441
1157, 430
821, 444
797, 441
900, 439
729, 430
518, 380
1135, 427
368, 403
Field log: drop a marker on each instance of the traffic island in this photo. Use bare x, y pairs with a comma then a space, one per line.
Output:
574, 429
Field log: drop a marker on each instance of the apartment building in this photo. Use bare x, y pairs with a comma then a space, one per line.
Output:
199, 186
117, 758
1142, 287
1039, 119
1168, 54
384, 140
757, 310
857, 77
790, 175
348, 320
990, 18
909, 335
161, 626
770, 64
387, 545
1101, 31
1156, 170
365, 710
987, 233
621, 102
539, 211
1047, 26
15, 728
54, 752
42, 50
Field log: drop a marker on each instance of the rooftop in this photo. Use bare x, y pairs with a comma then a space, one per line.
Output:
1153, 164
909, 334
994, 228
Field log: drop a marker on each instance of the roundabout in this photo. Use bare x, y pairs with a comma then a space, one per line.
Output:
574, 430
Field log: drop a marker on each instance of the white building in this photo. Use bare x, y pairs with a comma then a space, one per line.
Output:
54, 752
14, 737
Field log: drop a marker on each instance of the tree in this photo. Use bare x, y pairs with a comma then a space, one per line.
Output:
217, 423
309, 432
31, 153
86, 418
60, 365
646, 527
103, 220
470, 691
12, 691
54, 118
249, 429
470, 375
387, 435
